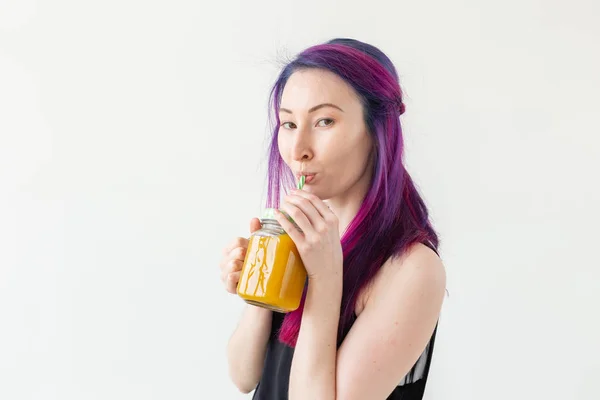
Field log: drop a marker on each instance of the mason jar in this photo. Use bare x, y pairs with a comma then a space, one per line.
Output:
273, 275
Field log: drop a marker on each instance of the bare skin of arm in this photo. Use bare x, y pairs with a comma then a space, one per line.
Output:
247, 345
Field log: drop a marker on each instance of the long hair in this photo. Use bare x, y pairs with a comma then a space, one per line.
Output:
393, 215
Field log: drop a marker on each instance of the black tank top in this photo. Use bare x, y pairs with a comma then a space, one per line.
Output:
275, 378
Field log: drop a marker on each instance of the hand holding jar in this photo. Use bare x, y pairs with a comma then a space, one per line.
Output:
315, 233
272, 274
233, 259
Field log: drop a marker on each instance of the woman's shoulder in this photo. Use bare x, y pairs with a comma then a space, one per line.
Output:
417, 257
419, 264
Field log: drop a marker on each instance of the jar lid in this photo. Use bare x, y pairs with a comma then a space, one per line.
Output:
269, 213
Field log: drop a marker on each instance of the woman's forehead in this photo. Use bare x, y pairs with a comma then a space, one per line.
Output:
308, 88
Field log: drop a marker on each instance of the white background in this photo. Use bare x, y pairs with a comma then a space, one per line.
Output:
132, 147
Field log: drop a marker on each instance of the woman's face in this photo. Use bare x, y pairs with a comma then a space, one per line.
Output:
323, 135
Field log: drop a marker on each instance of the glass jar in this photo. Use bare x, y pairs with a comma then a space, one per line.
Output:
273, 275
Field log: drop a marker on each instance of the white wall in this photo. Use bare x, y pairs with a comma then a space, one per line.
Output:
132, 138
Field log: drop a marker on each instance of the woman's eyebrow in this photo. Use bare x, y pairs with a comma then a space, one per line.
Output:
315, 108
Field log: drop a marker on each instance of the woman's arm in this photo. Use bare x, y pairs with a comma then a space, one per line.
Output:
313, 372
247, 346
385, 341
394, 327
392, 330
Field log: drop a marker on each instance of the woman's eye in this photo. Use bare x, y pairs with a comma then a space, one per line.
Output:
328, 120
325, 122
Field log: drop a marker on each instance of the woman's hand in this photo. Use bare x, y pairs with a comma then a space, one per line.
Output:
233, 259
319, 242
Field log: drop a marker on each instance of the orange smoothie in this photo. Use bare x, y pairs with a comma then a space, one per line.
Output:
273, 275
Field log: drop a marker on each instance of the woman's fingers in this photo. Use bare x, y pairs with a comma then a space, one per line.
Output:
238, 253
232, 281
233, 259
299, 217
238, 242
231, 266
307, 207
323, 209
290, 228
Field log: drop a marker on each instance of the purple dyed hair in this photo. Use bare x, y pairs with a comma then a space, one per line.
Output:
393, 215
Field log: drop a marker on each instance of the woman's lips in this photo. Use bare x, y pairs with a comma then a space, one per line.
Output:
309, 177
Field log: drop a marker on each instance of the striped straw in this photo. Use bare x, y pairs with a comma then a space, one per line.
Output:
301, 182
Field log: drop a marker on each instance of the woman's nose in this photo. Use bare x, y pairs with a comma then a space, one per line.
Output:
301, 150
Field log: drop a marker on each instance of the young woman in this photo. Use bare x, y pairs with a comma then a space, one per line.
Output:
366, 326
